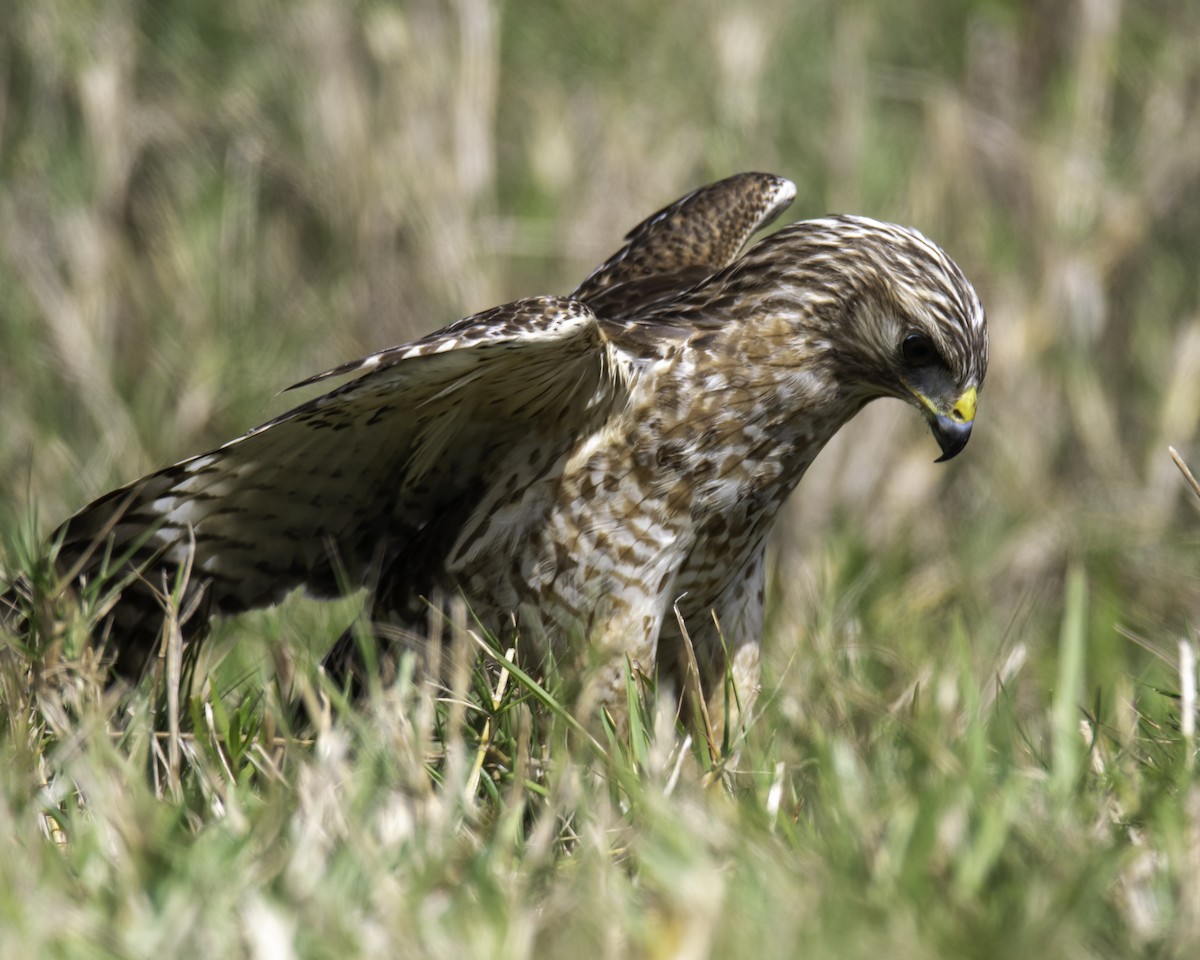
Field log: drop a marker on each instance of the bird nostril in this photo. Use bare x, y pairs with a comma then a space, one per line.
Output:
963, 410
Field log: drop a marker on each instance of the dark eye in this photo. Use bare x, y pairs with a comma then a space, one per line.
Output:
919, 350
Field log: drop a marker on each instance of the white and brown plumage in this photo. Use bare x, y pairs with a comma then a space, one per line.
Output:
572, 465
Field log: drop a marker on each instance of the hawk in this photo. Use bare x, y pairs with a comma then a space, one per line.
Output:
592, 470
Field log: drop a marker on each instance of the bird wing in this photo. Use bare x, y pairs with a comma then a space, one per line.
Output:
378, 465
684, 243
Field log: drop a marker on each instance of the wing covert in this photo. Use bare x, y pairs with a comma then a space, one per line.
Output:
685, 242
326, 493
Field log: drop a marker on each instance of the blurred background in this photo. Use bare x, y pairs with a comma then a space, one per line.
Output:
201, 203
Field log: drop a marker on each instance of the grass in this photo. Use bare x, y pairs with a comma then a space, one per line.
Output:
975, 736
918, 810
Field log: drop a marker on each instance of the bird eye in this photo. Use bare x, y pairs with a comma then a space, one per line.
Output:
919, 350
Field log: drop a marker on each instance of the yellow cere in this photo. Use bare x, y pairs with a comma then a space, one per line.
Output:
964, 408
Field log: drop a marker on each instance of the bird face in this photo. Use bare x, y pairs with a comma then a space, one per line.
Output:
940, 358
947, 404
913, 326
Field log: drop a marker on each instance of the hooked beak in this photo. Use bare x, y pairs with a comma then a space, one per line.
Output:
950, 422
953, 429
951, 436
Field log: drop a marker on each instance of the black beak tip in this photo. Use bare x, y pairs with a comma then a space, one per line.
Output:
952, 436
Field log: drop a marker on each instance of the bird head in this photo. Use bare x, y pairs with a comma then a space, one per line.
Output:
888, 313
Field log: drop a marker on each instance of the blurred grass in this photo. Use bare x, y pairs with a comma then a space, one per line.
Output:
202, 203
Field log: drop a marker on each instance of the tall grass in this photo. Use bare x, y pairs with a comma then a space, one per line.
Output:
970, 738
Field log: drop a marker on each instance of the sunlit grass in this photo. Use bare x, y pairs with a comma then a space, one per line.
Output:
870, 804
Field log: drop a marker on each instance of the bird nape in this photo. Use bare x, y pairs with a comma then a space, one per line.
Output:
597, 472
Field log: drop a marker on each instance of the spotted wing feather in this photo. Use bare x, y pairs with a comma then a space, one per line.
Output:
385, 464
682, 244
